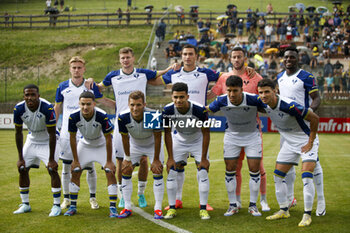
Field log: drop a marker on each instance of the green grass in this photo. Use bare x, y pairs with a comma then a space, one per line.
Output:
333, 153
83, 6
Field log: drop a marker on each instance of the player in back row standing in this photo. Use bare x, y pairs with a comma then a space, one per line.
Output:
301, 86
67, 99
39, 116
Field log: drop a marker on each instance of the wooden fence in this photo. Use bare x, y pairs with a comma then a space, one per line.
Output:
111, 19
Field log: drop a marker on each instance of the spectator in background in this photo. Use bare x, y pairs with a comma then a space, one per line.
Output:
337, 77
240, 27
328, 69
208, 23
289, 34
7, 19
61, 4
261, 43
200, 24
344, 79
261, 25
320, 83
268, 33
127, 14
120, 15
224, 50
48, 3
330, 84
180, 16
149, 15
160, 32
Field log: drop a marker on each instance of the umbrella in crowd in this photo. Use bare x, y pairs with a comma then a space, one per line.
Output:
311, 8
322, 9
204, 29
194, 6
337, 2
271, 50
231, 35
173, 41
220, 17
178, 8
300, 6
231, 6
148, 7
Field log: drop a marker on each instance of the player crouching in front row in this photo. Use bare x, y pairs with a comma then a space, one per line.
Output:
297, 125
93, 123
39, 116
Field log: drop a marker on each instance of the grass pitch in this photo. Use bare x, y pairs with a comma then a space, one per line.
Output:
333, 153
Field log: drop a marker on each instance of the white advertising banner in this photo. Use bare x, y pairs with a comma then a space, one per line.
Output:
6, 122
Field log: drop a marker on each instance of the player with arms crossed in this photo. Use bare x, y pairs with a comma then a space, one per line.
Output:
240, 110
39, 116
250, 85
137, 142
95, 146
125, 81
67, 98
298, 125
301, 86
184, 141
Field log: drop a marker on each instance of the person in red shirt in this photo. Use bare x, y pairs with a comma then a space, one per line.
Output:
250, 85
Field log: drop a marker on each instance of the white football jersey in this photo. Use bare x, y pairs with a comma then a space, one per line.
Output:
288, 117
138, 134
37, 121
123, 84
93, 130
196, 80
68, 93
241, 119
298, 86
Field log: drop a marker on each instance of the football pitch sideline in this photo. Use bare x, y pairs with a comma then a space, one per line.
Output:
334, 153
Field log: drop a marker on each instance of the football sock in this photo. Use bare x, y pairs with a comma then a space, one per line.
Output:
158, 190
127, 190
308, 190
24, 193
203, 186
281, 189
65, 179
56, 192
141, 187
171, 184
230, 181
180, 183
263, 197
74, 190
238, 198
91, 179
254, 186
290, 178
112, 192
318, 180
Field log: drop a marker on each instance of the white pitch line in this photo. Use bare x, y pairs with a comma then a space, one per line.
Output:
158, 222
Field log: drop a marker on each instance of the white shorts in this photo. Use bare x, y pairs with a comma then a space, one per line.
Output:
88, 154
291, 155
233, 151
33, 153
117, 142
65, 151
182, 150
136, 152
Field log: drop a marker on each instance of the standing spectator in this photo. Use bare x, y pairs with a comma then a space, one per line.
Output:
261, 24
149, 15
48, 3
289, 34
328, 69
200, 24
7, 19
180, 16
301, 22
160, 32
320, 83
344, 83
249, 13
224, 50
127, 14
61, 4
240, 27
268, 33
261, 43
208, 23
120, 15
337, 78
330, 84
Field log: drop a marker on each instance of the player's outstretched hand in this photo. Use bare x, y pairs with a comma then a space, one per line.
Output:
170, 164
52, 166
21, 165
127, 167
110, 167
250, 71
89, 83
306, 148
157, 167
176, 66
204, 164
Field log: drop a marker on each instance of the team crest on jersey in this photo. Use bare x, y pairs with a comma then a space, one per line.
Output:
25, 117
119, 77
67, 91
196, 75
294, 81
280, 115
246, 109
95, 125
136, 76
39, 115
